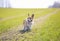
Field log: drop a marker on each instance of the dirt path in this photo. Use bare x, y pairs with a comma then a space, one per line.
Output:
14, 34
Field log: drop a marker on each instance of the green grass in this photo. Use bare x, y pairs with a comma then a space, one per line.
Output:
48, 32
6, 12
18, 20
51, 29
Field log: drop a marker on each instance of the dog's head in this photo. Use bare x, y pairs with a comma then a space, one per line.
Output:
30, 18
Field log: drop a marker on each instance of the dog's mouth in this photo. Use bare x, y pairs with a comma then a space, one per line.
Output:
29, 20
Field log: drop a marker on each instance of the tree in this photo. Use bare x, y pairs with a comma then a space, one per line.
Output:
55, 5
5, 4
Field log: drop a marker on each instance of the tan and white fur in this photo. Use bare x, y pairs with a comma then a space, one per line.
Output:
28, 22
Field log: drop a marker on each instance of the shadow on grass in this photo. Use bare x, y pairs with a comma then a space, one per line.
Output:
22, 31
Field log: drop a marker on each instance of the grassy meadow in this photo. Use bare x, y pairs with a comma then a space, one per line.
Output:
49, 31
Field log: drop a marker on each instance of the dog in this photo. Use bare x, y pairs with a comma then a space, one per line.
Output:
28, 22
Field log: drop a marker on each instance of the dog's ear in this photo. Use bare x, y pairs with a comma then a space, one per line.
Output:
32, 16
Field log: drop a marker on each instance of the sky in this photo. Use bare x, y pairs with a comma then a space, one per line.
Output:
32, 3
